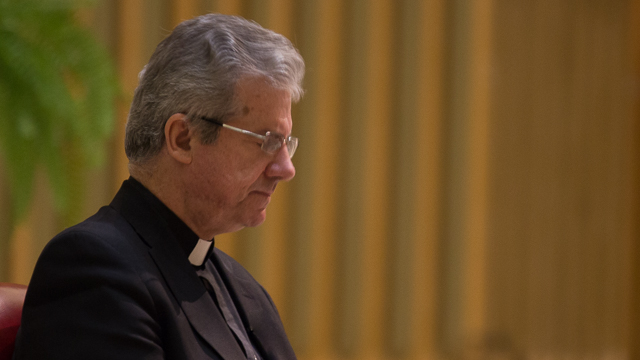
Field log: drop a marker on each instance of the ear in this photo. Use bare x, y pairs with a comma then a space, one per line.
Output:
177, 137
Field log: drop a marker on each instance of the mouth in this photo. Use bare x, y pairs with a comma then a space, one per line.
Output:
262, 198
267, 192
263, 193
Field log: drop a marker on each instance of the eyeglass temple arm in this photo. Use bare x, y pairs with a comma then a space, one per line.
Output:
214, 121
261, 137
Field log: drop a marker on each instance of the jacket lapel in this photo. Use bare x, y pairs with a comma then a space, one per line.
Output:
182, 280
198, 306
258, 313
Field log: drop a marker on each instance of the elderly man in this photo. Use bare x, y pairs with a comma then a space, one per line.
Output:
208, 139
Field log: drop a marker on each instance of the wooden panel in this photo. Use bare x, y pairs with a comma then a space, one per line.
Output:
478, 147
129, 62
633, 283
351, 172
414, 188
229, 7
325, 71
33, 232
547, 215
557, 238
456, 187
281, 17
6, 225
375, 183
427, 187
302, 245
182, 10
509, 228
22, 261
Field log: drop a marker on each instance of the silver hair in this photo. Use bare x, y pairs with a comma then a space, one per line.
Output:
195, 70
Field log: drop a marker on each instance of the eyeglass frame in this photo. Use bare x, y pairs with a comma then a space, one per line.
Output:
291, 142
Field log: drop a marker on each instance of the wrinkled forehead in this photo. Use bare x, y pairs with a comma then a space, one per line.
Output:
262, 106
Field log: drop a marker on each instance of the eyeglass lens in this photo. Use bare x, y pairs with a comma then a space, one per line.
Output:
273, 142
292, 145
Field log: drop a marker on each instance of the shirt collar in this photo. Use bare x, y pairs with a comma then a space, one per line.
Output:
200, 252
198, 249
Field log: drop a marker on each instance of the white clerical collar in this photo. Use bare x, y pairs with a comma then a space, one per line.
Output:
199, 253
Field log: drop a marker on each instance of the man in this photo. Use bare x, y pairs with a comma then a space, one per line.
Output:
208, 139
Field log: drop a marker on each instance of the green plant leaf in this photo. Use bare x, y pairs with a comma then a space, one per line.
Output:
57, 90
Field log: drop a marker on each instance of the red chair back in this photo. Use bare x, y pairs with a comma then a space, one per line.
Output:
11, 300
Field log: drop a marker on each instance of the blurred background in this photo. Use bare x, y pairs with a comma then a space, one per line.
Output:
467, 178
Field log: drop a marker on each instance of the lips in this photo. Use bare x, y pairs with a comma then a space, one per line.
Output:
264, 193
263, 198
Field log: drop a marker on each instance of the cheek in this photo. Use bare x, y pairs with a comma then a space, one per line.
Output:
226, 185
242, 173
227, 177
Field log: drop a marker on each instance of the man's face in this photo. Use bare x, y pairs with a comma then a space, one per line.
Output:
230, 182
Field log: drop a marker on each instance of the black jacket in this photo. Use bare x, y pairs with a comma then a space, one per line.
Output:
119, 286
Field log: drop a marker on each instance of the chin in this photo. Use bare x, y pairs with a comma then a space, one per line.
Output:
257, 220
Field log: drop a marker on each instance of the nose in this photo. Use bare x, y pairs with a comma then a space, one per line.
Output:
281, 167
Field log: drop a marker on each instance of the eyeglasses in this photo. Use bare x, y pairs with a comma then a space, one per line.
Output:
271, 142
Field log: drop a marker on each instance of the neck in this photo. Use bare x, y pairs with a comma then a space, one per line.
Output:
167, 184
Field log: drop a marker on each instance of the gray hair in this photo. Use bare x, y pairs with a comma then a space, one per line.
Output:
195, 71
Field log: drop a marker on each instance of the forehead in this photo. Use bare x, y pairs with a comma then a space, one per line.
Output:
262, 106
